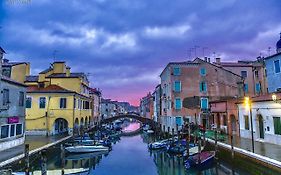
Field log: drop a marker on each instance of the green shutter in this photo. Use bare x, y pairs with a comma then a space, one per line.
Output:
277, 125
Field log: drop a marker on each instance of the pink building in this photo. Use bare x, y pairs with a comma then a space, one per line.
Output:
146, 106
187, 88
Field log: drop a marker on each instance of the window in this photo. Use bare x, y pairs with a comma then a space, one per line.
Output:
246, 119
277, 125
74, 103
177, 86
62, 103
256, 74
203, 87
258, 88
177, 103
276, 66
203, 71
19, 129
42, 102
204, 103
4, 131
28, 102
246, 89
12, 130
177, 71
244, 74
21, 99
6, 99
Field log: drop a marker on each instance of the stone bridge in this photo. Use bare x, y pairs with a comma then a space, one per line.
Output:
132, 116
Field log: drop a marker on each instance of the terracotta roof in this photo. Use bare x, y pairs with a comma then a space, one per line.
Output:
9, 80
234, 64
48, 89
31, 78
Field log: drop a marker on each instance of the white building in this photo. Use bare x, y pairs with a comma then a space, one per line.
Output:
12, 111
266, 115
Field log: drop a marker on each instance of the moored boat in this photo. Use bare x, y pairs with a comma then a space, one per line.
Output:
200, 160
86, 148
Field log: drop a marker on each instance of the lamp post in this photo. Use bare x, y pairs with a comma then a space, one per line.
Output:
248, 105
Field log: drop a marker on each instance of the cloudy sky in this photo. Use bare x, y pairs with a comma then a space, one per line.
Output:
124, 44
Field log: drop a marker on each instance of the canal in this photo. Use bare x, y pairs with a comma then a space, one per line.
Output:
129, 156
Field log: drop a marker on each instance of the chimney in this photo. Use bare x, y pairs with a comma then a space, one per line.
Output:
209, 60
205, 58
218, 60
67, 73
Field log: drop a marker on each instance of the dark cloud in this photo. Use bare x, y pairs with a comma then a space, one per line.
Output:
124, 44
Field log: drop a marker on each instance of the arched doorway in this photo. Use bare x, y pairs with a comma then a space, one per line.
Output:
60, 126
82, 122
261, 127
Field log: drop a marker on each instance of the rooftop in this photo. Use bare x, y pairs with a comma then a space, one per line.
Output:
48, 89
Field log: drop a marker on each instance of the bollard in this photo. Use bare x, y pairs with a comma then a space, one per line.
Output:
62, 159
43, 162
204, 138
232, 149
26, 158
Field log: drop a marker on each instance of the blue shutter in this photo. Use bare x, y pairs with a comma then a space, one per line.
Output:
204, 103
179, 121
177, 103
258, 87
177, 86
246, 88
203, 71
177, 71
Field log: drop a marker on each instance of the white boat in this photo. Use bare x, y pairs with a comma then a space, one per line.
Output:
193, 150
145, 127
86, 148
149, 131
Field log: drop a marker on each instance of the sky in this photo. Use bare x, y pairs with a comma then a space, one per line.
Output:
123, 45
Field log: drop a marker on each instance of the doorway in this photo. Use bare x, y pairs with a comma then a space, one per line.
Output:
261, 127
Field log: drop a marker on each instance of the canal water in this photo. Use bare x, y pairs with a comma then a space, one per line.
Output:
129, 156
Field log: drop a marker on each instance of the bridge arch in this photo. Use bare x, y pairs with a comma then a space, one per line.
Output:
132, 116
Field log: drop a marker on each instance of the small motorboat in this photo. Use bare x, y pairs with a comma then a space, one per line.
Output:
84, 155
145, 127
200, 160
86, 148
176, 149
157, 145
194, 149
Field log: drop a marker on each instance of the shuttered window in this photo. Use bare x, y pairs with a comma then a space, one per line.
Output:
277, 125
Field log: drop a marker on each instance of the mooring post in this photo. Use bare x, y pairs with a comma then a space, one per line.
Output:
26, 159
199, 150
216, 141
43, 162
173, 135
168, 132
188, 141
62, 159
204, 138
232, 148
178, 133
164, 131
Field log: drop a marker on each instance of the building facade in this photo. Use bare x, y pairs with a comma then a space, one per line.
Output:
188, 86
146, 106
12, 111
108, 108
157, 103
58, 101
266, 119
95, 95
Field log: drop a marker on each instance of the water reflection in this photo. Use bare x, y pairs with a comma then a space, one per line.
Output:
129, 156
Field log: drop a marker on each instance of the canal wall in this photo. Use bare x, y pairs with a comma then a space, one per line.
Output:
34, 151
246, 160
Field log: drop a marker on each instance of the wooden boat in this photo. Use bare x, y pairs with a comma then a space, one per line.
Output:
86, 148
200, 160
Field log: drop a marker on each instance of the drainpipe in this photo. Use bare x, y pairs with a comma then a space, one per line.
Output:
47, 118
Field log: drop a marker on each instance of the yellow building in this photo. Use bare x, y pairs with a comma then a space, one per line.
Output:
15, 70
58, 101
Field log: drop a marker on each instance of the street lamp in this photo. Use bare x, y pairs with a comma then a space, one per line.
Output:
248, 105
